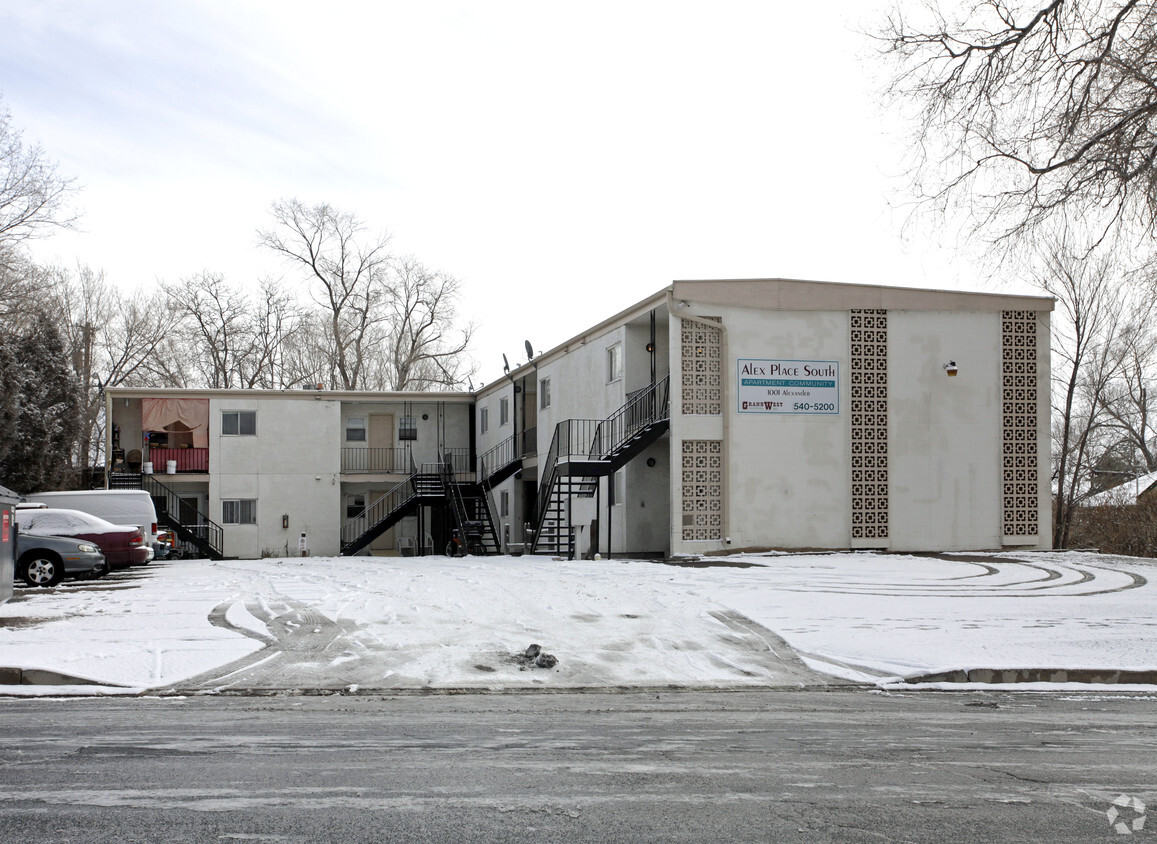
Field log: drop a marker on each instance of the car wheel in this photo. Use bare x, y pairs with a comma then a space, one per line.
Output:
41, 569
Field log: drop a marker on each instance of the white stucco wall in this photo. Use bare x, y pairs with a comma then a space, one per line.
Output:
292, 466
788, 476
944, 433
787, 473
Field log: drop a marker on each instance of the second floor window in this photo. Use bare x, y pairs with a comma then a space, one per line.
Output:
614, 362
239, 423
355, 429
544, 394
503, 412
407, 428
483, 420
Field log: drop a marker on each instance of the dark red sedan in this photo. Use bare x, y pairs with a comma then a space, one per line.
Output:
122, 545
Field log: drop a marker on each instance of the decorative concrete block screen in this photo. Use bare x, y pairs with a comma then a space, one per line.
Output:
869, 373
702, 368
702, 489
1019, 405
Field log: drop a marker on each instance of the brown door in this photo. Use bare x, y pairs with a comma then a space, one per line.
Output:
381, 444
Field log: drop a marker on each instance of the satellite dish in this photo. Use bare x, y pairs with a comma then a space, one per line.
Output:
505, 363
529, 349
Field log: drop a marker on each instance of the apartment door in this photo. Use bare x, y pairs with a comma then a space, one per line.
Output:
190, 511
381, 443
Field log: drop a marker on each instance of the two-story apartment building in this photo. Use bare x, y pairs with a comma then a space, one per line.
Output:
711, 416
277, 472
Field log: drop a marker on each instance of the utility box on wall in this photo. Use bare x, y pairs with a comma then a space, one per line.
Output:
8, 501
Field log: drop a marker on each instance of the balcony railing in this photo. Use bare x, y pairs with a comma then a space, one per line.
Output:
186, 459
458, 460
386, 460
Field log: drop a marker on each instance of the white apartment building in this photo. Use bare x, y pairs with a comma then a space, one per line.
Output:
711, 416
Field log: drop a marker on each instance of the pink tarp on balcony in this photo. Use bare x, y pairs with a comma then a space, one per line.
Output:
193, 414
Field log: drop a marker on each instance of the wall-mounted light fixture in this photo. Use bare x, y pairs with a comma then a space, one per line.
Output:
651, 462
650, 347
950, 368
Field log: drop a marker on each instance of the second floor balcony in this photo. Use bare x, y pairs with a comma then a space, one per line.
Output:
182, 459
395, 460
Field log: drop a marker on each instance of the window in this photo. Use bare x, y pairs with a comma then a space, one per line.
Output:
355, 503
483, 420
235, 423
544, 394
614, 362
407, 428
503, 412
504, 505
355, 429
239, 511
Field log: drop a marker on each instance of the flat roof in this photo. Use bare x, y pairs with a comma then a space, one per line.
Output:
456, 396
787, 294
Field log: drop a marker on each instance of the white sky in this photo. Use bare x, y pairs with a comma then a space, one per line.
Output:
563, 161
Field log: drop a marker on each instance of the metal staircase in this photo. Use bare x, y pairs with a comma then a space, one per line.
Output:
445, 485
423, 486
584, 450
204, 534
470, 508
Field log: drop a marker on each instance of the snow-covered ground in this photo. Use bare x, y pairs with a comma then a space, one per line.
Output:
438, 623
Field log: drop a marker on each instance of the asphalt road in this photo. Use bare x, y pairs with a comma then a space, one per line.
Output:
840, 765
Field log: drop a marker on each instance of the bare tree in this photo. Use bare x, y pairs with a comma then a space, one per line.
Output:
1033, 111
26, 288
427, 349
274, 322
33, 195
113, 339
1086, 359
347, 270
1129, 399
216, 326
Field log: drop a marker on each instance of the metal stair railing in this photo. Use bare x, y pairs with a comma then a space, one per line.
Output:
488, 464
470, 529
208, 531
644, 408
495, 458
599, 439
458, 459
572, 438
398, 496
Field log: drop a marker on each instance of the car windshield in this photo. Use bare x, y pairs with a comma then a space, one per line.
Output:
64, 522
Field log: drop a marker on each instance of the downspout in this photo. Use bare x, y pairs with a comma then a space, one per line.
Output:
724, 406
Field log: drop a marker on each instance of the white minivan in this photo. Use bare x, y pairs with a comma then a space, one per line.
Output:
119, 506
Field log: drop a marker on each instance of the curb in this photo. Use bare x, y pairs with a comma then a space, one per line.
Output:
41, 677
997, 676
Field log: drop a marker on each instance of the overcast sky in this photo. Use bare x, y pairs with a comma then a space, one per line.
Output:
563, 161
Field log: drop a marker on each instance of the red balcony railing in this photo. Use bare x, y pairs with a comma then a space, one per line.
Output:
187, 459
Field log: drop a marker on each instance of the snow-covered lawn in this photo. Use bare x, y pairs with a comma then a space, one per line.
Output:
437, 622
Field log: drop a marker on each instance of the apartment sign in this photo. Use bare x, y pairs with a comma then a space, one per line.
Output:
808, 387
